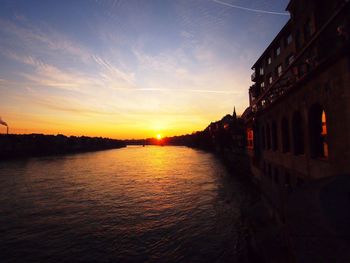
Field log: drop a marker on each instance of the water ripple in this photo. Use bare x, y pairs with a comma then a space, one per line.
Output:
139, 204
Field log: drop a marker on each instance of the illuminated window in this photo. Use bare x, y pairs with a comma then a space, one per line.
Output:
289, 39
324, 135
250, 138
318, 132
269, 60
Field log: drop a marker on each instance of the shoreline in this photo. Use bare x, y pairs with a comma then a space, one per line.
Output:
39, 145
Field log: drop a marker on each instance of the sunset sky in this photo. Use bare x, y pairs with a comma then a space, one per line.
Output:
129, 69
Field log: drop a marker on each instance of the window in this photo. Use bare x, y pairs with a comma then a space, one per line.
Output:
250, 138
298, 133
279, 70
270, 79
278, 51
307, 30
285, 135
269, 60
268, 136
263, 144
261, 71
276, 175
289, 39
287, 181
262, 85
298, 42
318, 132
274, 136
324, 134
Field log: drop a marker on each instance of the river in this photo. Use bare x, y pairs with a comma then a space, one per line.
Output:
136, 204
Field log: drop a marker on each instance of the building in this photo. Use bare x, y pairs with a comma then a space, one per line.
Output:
227, 133
298, 120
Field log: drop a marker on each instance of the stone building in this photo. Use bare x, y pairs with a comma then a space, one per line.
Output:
298, 121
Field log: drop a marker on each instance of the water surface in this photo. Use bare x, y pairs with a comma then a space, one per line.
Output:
137, 204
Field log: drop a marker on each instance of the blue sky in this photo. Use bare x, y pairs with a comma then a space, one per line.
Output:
127, 68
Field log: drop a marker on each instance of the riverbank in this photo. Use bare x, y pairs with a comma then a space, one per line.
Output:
31, 145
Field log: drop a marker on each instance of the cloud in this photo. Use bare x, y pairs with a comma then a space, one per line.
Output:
260, 11
32, 37
112, 73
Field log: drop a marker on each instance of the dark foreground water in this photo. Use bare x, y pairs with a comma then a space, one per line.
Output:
137, 204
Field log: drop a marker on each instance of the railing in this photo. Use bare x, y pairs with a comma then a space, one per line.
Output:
325, 45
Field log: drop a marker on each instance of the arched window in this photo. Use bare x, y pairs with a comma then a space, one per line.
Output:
274, 136
285, 135
268, 136
276, 176
318, 132
263, 138
298, 133
250, 138
269, 171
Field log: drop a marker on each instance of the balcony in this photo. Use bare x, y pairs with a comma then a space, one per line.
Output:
255, 91
254, 77
307, 63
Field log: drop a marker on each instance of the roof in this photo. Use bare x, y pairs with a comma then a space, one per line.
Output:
278, 37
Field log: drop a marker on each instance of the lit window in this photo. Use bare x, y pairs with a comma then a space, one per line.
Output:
289, 39
250, 138
318, 132
269, 60
262, 85
324, 135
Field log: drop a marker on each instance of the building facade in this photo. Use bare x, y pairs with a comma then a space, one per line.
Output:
298, 120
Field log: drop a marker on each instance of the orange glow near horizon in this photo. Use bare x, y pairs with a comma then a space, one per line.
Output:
112, 125
159, 137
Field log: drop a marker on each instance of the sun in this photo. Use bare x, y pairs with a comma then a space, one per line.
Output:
159, 136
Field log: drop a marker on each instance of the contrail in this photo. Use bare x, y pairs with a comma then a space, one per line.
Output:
251, 9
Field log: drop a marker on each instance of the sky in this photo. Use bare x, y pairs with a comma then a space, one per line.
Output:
129, 68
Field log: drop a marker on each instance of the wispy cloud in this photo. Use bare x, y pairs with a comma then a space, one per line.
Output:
251, 9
